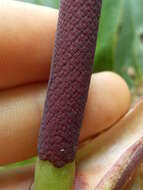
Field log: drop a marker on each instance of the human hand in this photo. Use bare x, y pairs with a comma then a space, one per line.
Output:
26, 43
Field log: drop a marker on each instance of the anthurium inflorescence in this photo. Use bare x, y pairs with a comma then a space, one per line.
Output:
69, 80
67, 93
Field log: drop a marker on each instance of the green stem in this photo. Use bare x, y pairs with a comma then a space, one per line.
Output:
48, 177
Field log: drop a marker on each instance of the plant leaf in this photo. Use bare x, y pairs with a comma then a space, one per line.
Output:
129, 49
49, 3
108, 30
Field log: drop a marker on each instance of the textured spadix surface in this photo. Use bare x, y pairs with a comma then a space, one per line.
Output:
107, 162
69, 80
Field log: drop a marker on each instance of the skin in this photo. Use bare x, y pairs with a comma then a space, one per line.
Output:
21, 113
108, 102
23, 82
27, 39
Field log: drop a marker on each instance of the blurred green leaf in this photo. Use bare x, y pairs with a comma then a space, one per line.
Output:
129, 49
123, 49
50, 3
18, 164
137, 19
108, 31
120, 40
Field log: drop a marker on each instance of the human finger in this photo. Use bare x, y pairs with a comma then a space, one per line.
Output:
21, 112
27, 34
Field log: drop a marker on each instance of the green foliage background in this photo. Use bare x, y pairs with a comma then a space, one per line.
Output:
49, 3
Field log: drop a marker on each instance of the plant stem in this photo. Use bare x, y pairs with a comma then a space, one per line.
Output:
49, 177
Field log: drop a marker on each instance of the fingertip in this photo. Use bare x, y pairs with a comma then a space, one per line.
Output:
108, 100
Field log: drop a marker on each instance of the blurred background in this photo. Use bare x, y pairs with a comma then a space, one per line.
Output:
120, 40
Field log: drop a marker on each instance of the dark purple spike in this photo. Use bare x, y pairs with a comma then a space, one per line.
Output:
69, 80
